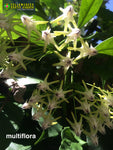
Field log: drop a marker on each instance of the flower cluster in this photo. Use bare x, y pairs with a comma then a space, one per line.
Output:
45, 100
73, 35
95, 110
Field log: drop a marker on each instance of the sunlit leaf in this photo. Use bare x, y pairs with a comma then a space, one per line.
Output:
24, 81
1, 6
88, 9
106, 47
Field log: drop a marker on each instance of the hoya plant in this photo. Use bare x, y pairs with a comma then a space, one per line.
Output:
56, 76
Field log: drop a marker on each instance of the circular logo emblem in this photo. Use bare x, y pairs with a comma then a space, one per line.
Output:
7, 6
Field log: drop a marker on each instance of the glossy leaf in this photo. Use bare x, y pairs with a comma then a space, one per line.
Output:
106, 47
88, 9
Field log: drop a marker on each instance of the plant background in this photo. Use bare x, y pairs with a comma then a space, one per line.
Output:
97, 69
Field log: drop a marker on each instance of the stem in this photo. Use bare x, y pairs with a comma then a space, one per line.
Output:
40, 138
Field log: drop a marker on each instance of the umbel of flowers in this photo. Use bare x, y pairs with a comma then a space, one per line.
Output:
95, 109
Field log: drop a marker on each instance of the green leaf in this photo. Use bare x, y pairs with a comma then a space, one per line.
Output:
1, 6
88, 9
68, 145
14, 146
67, 133
2, 96
70, 141
106, 47
54, 130
76, 146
